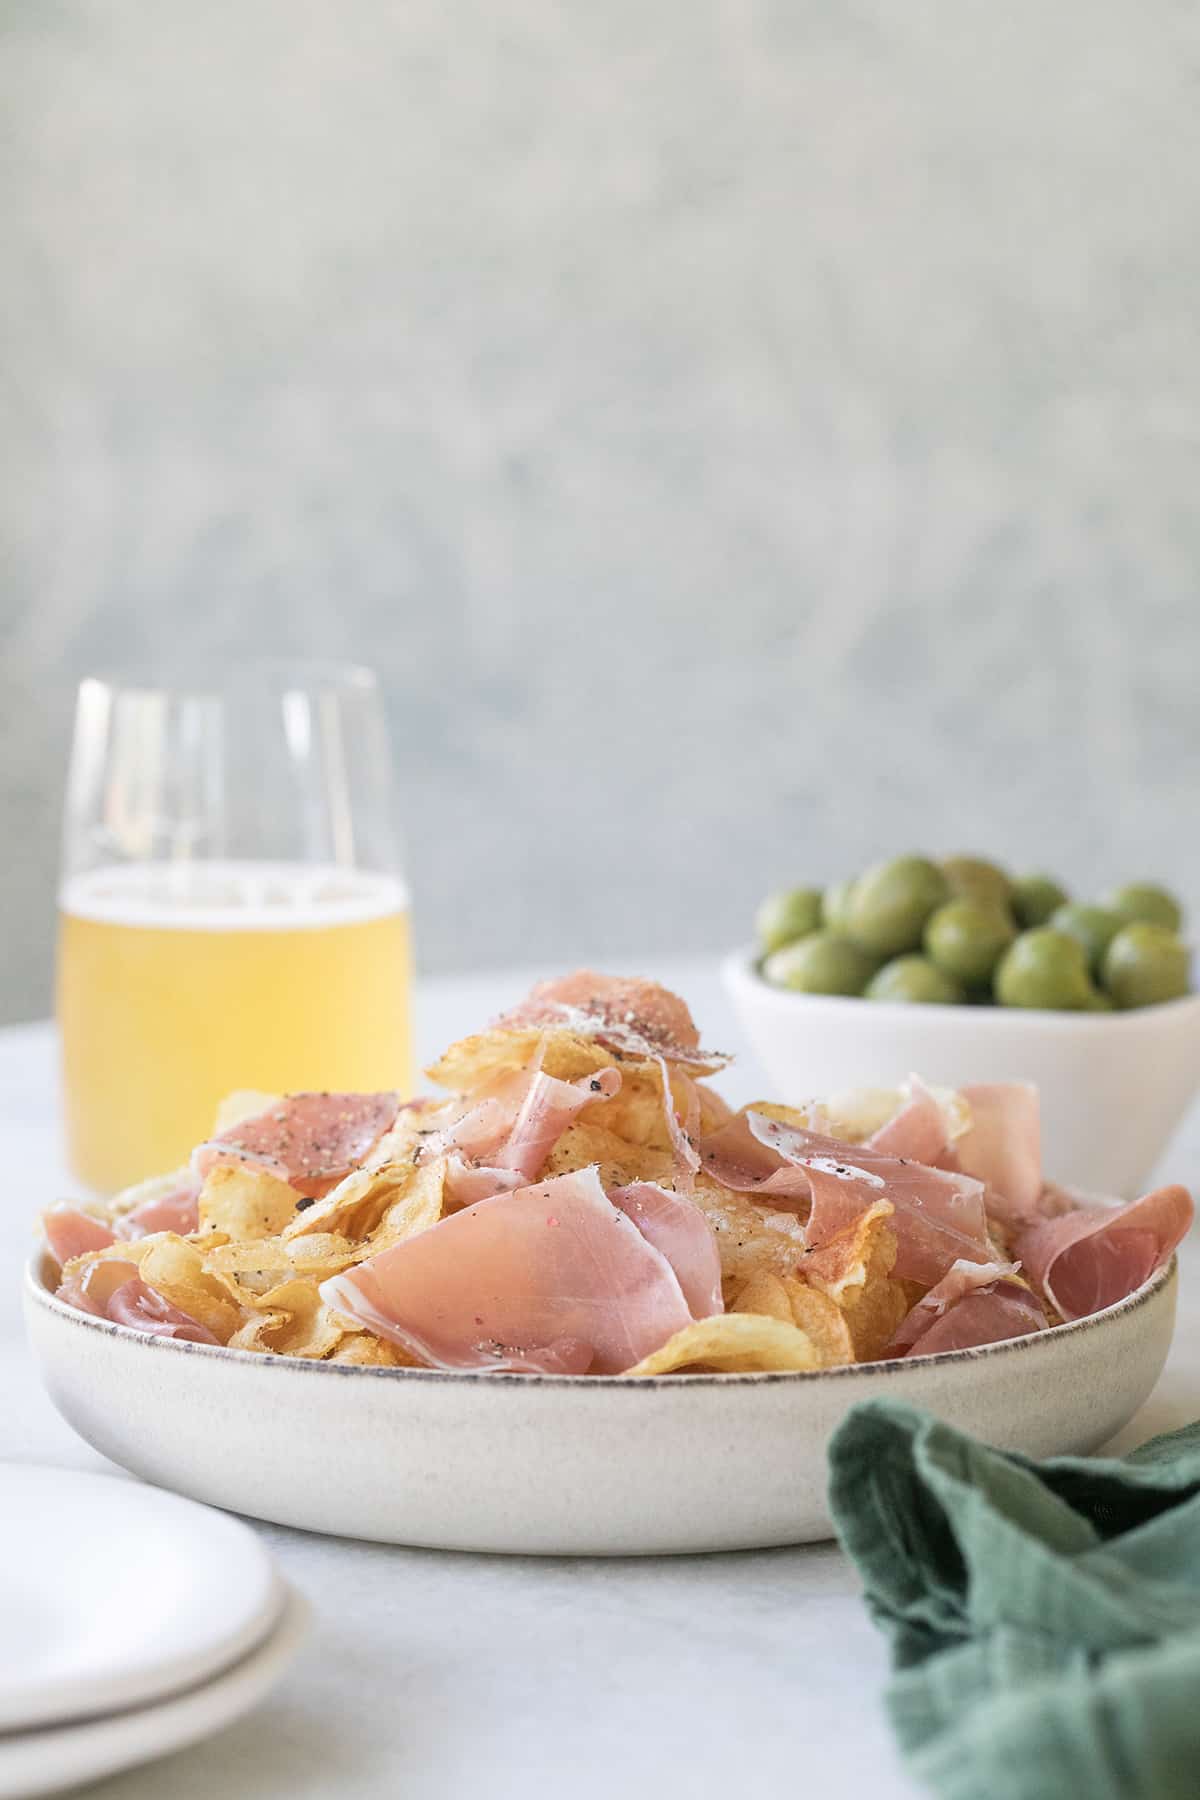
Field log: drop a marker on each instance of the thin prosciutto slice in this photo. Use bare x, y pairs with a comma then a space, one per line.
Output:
1094, 1256
70, 1232
917, 1131
308, 1140
176, 1210
550, 1279
90, 1289
112, 1289
1003, 1146
973, 1303
678, 1228
987, 1315
503, 1138
632, 1016
140, 1307
939, 1214
682, 1133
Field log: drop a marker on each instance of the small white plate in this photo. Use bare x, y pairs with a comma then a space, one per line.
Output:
114, 1595
559, 1464
46, 1762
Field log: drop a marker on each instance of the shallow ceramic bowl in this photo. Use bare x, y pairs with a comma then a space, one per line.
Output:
558, 1465
1113, 1086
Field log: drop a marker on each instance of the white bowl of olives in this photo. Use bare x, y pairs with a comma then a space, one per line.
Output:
959, 973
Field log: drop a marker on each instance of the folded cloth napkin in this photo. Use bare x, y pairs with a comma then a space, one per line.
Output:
1044, 1617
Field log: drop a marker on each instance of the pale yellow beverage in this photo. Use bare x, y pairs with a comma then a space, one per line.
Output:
176, 986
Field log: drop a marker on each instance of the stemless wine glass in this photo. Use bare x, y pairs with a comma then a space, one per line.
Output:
232, 910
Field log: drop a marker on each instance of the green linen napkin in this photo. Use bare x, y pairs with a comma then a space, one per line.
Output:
1044, 1617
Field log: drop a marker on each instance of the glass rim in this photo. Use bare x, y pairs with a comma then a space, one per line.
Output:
210, 678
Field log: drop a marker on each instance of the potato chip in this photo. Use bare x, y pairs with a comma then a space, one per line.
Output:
245, 1202
367, 1351
249, 1257
750, 1237
174, 1268
475, 1062
355, 1207
734, 1343
784, 1297
292, 1320
415, 1203
620, 1161
635, 1113
854, 1270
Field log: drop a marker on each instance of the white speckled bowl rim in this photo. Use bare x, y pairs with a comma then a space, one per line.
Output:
39, 1291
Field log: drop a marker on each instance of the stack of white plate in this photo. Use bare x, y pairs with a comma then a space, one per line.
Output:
134, 1623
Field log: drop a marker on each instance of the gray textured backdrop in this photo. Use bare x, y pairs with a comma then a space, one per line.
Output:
745, 434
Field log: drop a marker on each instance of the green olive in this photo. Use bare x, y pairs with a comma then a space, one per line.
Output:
1143, 902
1092, 926
1044, 968
1098, 1001
786, 916
892, 901
1035, 899
835, 904
822, 963
974, 878
915, 980
965, 939
1146, 964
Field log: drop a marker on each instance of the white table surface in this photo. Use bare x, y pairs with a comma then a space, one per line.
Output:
439, 1675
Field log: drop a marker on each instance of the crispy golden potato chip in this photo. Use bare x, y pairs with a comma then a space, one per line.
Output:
248, 1257
784, 1297
750, 1237
367, 1351
243, 1103
620, 1161
414, 1205
854, 1270
635, 1113
174, 1268
356, 1207
323, 1254
800, 1118
291, 1320
245, 1202
735, 1343
475, 1062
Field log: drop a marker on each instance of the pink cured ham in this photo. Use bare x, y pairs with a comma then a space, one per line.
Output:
917, 1131
987, 1315
139, 1307
91, 1289
502, 1140
309, 1140
1003, 1146
1094, 1256
550, 1279
679, 1229
962, 1282
178, 1211
632, 1016
70, 1232
939, 1215
681, 1133
466, 1182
